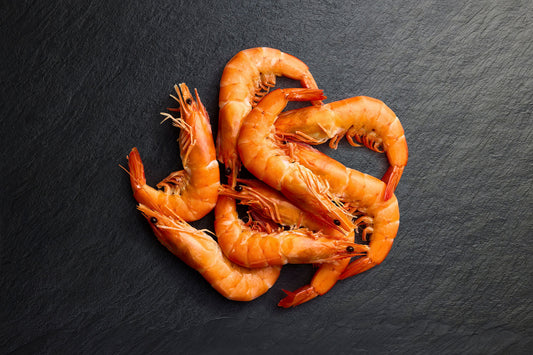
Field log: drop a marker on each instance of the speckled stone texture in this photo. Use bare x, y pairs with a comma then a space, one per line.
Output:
83, 82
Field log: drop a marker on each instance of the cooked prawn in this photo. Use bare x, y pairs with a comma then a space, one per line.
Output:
201, 252
271, 205
248, 247
362, 120
263, 158
361, 194
190, 193
246, 78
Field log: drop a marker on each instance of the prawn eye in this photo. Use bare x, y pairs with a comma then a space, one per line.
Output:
188, 101
350, 249
153, 220
238, 188
337, 222
228, 171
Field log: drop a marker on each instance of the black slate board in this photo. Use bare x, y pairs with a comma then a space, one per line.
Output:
83, 82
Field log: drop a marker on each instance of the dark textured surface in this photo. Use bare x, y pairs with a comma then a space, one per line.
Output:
83, 82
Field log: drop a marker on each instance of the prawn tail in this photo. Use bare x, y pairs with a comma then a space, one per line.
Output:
357, 266
298, 94
136, 171
299, 296
325, 278
391, 179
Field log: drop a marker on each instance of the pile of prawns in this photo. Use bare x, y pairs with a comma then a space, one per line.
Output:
303, 206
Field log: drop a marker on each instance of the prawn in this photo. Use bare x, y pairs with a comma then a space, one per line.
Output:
201, 252
250, 247
263, 158
363, 120
246, 78
361, 194
190, 193
271, 205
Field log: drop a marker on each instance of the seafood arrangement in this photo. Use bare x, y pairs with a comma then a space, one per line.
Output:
303, 206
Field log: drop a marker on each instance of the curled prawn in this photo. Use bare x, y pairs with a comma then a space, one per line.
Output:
201, 252
249, 247
270, 205
190, 193
363, 120
246, 78
361, 194
262, 157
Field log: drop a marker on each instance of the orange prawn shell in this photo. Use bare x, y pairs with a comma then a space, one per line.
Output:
246, 78
361, 119
202, 253
191, 193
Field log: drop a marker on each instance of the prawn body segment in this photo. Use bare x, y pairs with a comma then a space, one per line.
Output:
362, 120
262, 156
246, 78
201, 252
191, 193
